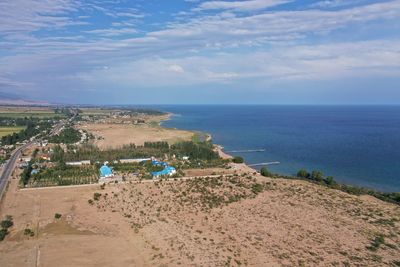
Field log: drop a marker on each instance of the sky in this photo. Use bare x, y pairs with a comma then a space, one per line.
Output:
201, 51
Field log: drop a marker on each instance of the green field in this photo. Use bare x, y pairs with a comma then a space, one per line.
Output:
22, 112
40, 115
6, 130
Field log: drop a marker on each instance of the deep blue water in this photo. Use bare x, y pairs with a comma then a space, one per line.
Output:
358, 145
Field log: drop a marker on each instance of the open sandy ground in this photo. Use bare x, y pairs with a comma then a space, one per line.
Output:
214, 222
115, 135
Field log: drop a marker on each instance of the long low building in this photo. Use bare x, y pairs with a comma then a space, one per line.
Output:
134, 160
78, 163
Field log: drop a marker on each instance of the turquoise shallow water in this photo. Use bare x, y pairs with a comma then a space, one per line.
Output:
358, 145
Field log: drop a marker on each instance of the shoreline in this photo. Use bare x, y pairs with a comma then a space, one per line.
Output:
345, 187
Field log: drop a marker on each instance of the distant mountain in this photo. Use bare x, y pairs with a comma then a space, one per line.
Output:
9, 96
14, 99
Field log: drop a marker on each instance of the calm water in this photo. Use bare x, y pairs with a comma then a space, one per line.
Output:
358, 145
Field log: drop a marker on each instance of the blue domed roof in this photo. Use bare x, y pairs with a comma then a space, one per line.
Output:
105, 171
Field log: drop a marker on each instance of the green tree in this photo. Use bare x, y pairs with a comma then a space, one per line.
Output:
7, 222
303, 173
330, 181
317, 176
265, 172
58, 154
238, 159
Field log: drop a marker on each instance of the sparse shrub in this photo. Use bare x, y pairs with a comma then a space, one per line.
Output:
377, 242
29, 232
257, 188
3, 233
238, 159
396, 263
57, 215
96, 196
90, 201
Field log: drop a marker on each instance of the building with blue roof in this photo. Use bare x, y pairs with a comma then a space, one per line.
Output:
168, 171
106, 171
159, 163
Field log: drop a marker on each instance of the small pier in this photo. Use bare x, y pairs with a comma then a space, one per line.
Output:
264, 163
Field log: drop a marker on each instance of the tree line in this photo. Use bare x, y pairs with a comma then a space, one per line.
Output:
31, 130
193, 150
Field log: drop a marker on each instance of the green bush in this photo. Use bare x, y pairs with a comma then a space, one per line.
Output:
303, 174
238, 159
317, 176
257, 188
265, 172
29, 232
3, 233
7, 222
96, 196
376, 243
57, 215
330, 181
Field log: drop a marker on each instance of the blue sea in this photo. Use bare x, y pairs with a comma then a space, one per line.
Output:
358, 145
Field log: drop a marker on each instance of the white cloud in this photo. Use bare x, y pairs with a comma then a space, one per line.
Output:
27, 16
335, 3
113, 31
289, 64
229, 47
176, 68
247, 5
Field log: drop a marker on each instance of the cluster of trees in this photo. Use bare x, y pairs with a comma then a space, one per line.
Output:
157, 145
5, 225
199, 163
62, 171
32, 129
67, 136
194, 150
93, 153
5, 121
136, 111
26, 174
64, 111
318, 177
